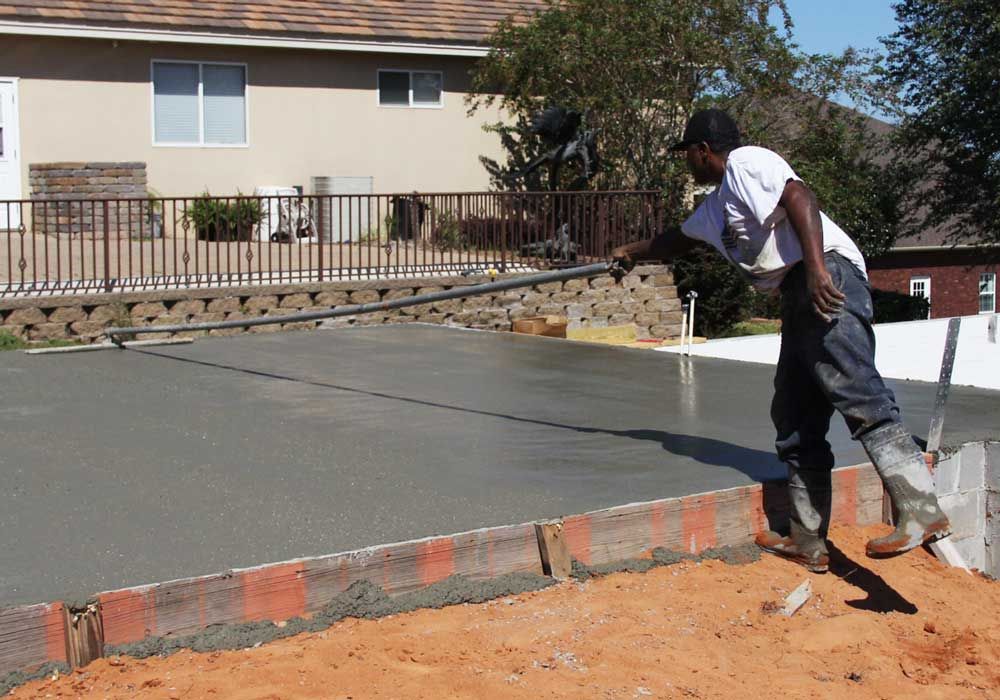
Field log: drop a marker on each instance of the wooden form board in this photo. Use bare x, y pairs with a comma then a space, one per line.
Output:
289, 589
32, 635
695, 523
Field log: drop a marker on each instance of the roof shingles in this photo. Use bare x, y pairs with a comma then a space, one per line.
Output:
435, 21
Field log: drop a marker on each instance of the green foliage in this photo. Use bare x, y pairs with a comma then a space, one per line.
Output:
944, 61
637, 69
448, 234
9, 341
223, 219
891, 307
752, 327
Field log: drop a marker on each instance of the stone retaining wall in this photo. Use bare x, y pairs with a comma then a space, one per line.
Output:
62, 192
647, 297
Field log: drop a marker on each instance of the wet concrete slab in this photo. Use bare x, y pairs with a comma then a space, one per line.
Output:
128, 467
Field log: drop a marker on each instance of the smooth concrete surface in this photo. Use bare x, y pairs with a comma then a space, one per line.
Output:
126, 467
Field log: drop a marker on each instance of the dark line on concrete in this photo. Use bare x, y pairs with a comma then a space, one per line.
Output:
756, 464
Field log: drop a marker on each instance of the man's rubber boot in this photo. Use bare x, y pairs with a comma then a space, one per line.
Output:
809, 498
919, 518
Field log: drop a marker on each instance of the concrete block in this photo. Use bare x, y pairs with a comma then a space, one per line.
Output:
551, 310
972, 471
187, 307
992, 476
973, 551
25, 317
67, 314
223, 305
332, 299
296, 301
449, 306
549, 287
364, 296
967, 513
947, 472
577, 310
577, 285
48, 331
258, 303
394, 294
643, 294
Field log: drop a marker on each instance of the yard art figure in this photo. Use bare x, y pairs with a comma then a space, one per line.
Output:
560, 128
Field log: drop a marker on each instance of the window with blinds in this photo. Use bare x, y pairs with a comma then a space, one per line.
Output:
199, 104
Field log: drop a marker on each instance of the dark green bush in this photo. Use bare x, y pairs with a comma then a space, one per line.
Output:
891, 307
220, 219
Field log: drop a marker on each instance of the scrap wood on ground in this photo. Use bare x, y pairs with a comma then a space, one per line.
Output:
907, 627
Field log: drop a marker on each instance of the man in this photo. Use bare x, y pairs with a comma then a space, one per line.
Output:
766, 222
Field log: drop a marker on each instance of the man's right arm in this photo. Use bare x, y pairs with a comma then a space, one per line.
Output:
664, 247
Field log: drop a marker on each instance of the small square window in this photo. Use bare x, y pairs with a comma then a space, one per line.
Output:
394, 88
426, 88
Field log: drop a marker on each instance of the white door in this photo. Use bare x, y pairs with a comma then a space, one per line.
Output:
10, 163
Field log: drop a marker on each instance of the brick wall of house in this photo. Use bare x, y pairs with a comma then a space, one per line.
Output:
954, 276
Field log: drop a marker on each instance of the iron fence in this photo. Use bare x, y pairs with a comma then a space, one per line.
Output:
106, 245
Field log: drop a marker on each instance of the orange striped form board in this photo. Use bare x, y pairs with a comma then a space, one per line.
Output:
285, 590
31, 635
701, 521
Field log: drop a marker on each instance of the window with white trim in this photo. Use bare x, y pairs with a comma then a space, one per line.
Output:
199, 104
987, 292
921, 287
410, 88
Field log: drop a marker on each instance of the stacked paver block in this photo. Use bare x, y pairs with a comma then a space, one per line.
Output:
647, 298
63, 197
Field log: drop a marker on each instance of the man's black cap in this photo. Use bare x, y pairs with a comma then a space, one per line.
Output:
711, 126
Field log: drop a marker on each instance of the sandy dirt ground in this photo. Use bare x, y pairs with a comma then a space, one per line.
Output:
901, 628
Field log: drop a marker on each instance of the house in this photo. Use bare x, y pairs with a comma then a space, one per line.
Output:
227, 96
958, 280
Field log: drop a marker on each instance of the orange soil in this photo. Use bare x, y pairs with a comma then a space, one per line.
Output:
900, 628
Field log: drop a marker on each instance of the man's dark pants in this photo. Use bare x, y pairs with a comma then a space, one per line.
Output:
825, 366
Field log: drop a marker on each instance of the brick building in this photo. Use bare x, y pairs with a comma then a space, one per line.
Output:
957, 280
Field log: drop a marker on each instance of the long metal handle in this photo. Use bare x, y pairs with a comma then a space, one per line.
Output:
115, 333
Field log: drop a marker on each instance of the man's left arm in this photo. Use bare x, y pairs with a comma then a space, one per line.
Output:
802, 209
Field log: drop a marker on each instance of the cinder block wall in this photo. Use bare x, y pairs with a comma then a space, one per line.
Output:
646, 297
968, 485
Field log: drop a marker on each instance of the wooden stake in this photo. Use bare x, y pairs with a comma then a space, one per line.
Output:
556, 560
84, 635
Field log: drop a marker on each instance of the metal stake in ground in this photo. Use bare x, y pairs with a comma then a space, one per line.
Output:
119, 335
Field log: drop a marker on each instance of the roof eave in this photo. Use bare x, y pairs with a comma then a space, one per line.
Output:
230, 39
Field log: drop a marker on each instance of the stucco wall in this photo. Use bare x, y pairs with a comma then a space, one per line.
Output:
310, 113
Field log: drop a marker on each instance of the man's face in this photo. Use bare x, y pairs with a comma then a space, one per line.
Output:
698, 163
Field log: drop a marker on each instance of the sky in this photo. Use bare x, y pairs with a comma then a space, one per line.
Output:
830, 26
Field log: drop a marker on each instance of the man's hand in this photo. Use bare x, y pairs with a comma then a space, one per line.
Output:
622, 255
826, 298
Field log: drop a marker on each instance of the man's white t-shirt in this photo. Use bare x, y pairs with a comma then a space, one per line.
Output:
742, 219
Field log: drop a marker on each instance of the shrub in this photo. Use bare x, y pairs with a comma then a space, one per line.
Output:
218, 219
891, 307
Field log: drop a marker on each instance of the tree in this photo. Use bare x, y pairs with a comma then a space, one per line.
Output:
943, 60
637, 69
